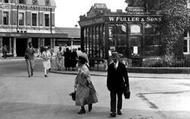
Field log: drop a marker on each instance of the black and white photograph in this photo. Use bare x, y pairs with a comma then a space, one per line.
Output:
94, 59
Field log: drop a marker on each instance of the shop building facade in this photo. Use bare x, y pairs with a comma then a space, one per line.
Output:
134, 33
24, 21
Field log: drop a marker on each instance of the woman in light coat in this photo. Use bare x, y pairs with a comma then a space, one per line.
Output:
85, 91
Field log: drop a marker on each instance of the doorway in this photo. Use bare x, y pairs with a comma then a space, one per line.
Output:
21, 45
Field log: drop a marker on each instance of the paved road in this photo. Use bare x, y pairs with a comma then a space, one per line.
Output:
47, 98
12, 67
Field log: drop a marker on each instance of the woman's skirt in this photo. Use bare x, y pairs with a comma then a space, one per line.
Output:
47, 64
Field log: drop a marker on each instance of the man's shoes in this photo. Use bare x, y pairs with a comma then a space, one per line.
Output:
112, 114
45, 75
119, 112
90, 107
82, 111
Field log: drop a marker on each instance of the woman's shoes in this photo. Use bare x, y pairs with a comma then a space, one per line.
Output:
90, 107
82, 111
45, 75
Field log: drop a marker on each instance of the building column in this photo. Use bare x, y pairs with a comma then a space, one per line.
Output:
1, 45
39, 45
42, 41
107, 40
10, 45
82, 39
52, 43
29, 40
14, 47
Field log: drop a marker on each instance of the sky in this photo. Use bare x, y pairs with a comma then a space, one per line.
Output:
67, 12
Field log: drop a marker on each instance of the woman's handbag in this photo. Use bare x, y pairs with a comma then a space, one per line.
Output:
73, 95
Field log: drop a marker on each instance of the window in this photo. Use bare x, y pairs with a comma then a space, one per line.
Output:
186, 43
6, 1
34, 19
22, 2
188, 3
35, 2
152, 46
46, 19
135, 29
47, 2
5, 18
21, 19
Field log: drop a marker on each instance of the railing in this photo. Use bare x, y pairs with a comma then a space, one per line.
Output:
161, 63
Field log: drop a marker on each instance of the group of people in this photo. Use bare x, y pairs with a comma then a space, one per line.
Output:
117, 78
46, 56
70, 59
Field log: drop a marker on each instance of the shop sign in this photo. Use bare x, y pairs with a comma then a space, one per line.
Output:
92, 21
135, 19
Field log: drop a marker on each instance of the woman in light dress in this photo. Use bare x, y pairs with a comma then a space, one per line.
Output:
85, 91
46, 56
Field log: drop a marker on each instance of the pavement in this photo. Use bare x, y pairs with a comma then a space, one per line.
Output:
11, 59
47, 98
104, 73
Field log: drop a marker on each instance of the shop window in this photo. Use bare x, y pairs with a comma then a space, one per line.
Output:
149, 29
152, 46
6, 1
135, 29
185, 46
5, 18
135, 46
186, 43
34, 19
22, 2
21, 18
111, 33
47, 20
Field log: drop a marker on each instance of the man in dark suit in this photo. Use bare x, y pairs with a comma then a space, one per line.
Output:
117, 77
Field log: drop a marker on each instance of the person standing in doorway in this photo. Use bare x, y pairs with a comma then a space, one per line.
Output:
117, 78
4, 50
29, 57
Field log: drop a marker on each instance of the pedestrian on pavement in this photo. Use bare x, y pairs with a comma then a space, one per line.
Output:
85, 91
4, 50
74, 58
67, 58
29, 58
45, 60
49, 55
117, 78
59, 59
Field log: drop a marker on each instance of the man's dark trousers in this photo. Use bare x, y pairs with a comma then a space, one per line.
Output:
115, 97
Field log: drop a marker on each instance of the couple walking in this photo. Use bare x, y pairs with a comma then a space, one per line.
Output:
29, 58
117, 77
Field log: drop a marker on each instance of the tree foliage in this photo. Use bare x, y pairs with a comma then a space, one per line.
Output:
174, 22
